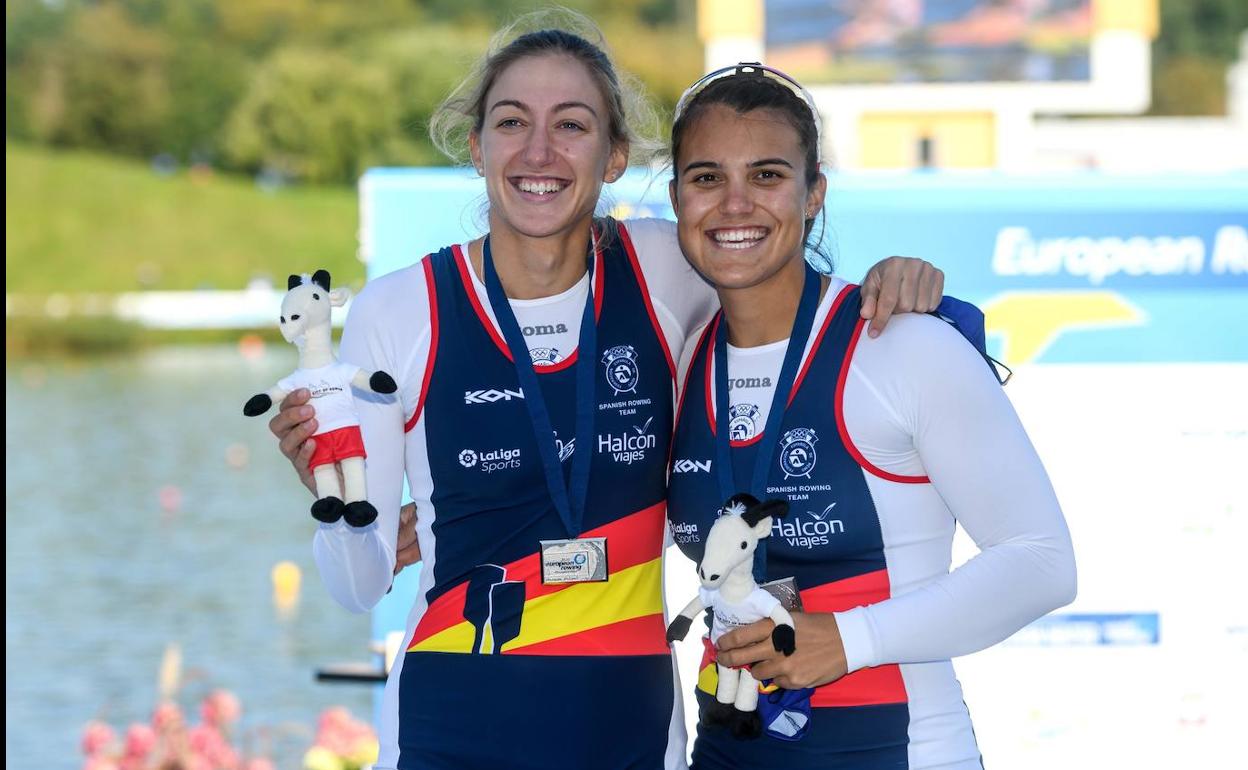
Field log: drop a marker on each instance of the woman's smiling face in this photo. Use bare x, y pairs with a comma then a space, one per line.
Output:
741, 196
544, 146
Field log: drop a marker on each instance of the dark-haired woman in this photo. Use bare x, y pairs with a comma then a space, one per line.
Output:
880, 445
537, 372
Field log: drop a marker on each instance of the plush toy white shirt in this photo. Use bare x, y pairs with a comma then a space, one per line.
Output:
330, 387
728, 615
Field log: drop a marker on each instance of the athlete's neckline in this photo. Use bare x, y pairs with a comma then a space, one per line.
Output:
577, 289
759, 350
828, 306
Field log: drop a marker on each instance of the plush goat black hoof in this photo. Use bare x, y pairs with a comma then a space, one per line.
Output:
361, 513
327, 510
784, 639
745, 725
381, 382
257, 405
717, 714
678, 628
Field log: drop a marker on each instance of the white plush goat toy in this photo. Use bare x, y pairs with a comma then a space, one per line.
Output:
729, 591
339, 446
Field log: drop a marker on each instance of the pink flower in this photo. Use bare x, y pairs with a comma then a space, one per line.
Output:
96, 737
167, 716
196, 762
333, 717
258, 763
140, 740
221, 707
204, 739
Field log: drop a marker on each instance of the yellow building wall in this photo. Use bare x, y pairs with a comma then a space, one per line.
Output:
1142, 16
730, 18
959, 139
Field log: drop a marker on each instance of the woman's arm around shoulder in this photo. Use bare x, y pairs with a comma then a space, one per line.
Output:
682, 300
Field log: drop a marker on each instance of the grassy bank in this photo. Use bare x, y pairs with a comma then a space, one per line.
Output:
35, 337
83, 222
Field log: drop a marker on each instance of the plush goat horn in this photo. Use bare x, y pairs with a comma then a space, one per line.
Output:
321, 278
756, 513
741, 501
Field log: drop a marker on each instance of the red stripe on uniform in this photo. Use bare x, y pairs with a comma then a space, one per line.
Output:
868, 686
710, 358
839, 410
461, 262
432, 292
645, 296
841, 595
836, 305
684, 391
631, 540
797, 383
635, 636
864, 687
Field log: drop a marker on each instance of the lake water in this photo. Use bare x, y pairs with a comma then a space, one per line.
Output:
100, 578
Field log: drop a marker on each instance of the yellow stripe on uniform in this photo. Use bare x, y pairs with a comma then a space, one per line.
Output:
708, 679
629, 594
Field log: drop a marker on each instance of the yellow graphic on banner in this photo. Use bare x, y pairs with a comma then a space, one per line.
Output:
1029, 322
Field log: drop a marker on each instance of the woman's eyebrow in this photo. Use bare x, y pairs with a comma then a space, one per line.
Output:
509, 103
569, 105
700, 164
756, 164
771, 162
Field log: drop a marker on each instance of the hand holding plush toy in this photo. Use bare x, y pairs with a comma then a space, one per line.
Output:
339, 446
729, 591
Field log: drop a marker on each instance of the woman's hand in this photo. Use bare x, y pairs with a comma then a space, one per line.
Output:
819, 658
407, 548
899, 285
294, 424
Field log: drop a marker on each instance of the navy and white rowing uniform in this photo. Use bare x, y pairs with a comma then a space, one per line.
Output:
885, 445
500, 670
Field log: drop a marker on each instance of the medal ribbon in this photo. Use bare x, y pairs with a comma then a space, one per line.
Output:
569, 498
800, 333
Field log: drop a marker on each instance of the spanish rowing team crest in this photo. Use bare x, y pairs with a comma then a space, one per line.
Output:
621, 364
797, 452
742, 422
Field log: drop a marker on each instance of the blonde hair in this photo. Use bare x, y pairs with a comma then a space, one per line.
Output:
631, 122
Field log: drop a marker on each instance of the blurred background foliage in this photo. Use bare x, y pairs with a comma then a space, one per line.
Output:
257, 116
307, 90
318, 90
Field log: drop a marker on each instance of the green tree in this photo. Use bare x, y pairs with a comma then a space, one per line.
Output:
102, 84
314, 116
1197, 41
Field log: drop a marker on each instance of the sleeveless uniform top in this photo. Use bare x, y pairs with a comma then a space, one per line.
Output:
831, 543
500, 670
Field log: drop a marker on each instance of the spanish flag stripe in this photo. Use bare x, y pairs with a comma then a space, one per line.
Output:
444, 612
865, 687
579, 607
841, 595
637, 636
631, 540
